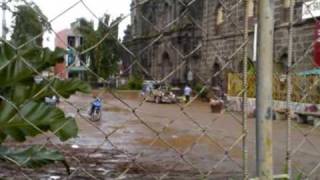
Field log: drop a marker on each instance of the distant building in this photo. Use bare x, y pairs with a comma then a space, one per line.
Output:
217, 28
73, 65
150, 19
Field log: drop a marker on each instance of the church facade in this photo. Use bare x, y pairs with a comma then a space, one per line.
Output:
206, 37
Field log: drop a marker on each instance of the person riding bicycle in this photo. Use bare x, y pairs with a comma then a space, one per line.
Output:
95, 105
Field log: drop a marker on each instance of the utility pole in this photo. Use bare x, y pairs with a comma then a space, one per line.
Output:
264, 90
4, 23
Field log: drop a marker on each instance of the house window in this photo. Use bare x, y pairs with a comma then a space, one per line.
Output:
219, 19
220, 15
71, 41
286, 3
166, 5
81, 41
285, 10
250, 8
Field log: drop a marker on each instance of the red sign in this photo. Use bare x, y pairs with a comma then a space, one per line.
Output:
316, 47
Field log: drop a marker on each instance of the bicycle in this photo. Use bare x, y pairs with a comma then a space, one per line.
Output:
95, 111
96, 114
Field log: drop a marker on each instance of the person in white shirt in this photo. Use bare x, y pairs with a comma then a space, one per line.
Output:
187, 93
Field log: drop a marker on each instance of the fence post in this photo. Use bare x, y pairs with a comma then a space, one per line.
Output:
264, 90
289, 86
245, 94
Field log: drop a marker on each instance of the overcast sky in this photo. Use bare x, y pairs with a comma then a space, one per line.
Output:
52, 8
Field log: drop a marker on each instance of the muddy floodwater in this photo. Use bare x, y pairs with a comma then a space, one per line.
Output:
163, 141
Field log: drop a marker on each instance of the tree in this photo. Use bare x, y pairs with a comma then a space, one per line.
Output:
29, 22
105, 57
22, 108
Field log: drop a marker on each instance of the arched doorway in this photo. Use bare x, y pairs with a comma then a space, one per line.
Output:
216, 78
284, 63
218, 82
281, 67
166, 65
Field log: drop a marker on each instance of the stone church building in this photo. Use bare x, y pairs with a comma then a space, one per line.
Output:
204, 35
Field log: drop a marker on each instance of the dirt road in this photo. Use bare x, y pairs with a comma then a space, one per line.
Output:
161, 141
195, 140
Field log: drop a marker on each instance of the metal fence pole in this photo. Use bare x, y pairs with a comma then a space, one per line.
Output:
264, 90
245, 94
289, 87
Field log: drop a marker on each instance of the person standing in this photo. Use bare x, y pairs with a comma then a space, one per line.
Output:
187, 92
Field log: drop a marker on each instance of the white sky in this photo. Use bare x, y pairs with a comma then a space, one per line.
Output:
52, 8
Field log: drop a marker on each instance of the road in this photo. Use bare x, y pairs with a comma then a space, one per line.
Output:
193, 140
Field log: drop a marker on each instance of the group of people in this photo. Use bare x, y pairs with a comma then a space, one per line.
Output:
187, 92
97, 103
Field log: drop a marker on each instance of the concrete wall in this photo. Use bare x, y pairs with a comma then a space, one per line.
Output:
235, 104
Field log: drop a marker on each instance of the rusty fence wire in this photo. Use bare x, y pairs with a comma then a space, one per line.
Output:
302, 142
220, 146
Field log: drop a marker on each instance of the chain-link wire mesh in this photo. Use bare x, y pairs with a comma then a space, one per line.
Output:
302, 145
136, 139
177, 158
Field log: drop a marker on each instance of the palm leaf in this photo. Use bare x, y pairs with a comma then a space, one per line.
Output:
26, 64
33, 119
32, 157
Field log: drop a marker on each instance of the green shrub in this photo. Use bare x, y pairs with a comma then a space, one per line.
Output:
124, 87
135, 83
198, 87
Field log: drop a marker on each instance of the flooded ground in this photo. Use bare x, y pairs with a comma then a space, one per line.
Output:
162, 141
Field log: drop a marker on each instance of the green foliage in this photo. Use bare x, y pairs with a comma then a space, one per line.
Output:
250, 67
135, 83
29, 22
22, 108
300, 176
33, 157
23, 112
34, 118
204, 93
19, 65
104, 58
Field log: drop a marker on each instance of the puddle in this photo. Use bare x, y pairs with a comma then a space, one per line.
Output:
75, 146
54, 177
129, 94
96, 155
116, 109
133, 122
155, 125
117, 127
184, 142
179, 142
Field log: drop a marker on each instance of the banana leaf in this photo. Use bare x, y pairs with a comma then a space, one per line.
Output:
32, 157
33, 119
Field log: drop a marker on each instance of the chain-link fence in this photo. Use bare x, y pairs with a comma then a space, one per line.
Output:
302, 144
180, 149
177, 42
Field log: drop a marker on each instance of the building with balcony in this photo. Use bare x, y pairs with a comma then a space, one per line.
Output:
74, 65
